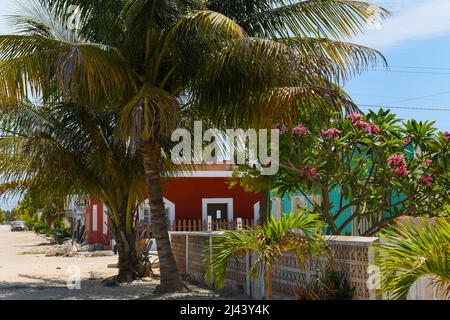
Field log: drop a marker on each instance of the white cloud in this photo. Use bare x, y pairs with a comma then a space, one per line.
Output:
411, 20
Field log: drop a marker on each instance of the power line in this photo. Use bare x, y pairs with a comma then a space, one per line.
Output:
411, 72
397, 97
406, 108
415, 67
420, 97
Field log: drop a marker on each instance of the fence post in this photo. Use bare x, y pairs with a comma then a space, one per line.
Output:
239, 224
209, 224
210, 253
247, 271
375, 294
187, 254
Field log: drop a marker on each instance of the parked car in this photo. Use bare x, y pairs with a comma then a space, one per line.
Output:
18, 226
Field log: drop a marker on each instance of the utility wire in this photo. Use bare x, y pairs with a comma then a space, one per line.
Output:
411, 72
420, 97
397, 97
405, 108
415, 67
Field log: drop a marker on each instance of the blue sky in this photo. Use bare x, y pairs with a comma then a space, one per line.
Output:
416, 43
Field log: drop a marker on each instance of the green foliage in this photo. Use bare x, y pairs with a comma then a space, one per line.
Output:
354, 159
144, 66
42, 228
3, 217
66, 150
227, 59
414, 250
299, 234
330, 285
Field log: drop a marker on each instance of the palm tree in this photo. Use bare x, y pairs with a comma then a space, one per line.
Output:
62, 150
414, 250
299, 234
226, 61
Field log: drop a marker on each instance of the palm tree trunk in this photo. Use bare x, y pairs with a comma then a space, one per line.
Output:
128, 258
170, 276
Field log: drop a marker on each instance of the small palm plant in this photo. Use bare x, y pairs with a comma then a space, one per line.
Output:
297, 233
412, 251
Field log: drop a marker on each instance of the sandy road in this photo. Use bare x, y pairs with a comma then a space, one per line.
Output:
25, 272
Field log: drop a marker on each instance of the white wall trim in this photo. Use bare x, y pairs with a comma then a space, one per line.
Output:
94, 217
171, 206
228, 201
256, 209
167, 204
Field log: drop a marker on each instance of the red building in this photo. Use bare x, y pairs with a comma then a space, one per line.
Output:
191, 197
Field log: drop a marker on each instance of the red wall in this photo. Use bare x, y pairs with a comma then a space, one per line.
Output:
187, 194
97, 236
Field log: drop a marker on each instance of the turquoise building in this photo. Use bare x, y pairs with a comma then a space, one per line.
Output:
358, 227
290, 202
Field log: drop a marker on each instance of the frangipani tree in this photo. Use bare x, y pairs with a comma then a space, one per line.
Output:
297, 233
379, 169
226, 62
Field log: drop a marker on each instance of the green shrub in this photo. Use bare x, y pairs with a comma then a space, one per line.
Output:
42, 228
330, 285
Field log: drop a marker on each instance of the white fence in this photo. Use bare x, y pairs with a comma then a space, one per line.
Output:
354, 256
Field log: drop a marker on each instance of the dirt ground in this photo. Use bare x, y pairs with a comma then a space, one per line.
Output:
26, 274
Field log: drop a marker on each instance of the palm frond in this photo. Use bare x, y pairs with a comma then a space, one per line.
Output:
204, 25
152, 113
412, 251
337, 19
345, 59
65, 149
299, 234
34, 17
39, 64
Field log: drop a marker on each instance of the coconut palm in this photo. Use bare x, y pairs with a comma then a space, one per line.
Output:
63, 150
296, 233
415, 249
228, 62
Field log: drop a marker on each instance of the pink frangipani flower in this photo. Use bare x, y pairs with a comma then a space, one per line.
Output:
374, 129
426, 180
331, 133
447, 136
362, 124
355, 117
308, 172
396, 160
300, 130
398, 163
401, 171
